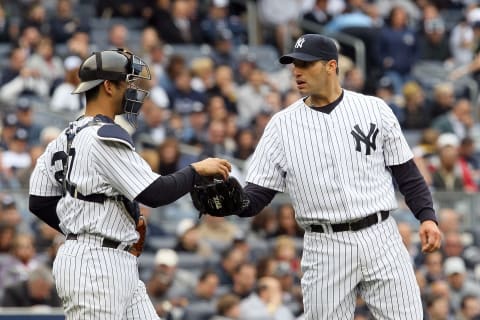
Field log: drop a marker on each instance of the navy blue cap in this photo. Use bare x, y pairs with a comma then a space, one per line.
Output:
312, 47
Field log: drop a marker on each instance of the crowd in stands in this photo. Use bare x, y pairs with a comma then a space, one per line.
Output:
212, 93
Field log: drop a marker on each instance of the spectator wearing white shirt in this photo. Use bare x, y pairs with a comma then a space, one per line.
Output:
63, 99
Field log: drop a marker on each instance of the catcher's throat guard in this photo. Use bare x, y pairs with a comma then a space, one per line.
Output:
219, 198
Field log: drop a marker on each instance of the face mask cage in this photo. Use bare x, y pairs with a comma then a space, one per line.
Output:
134, 95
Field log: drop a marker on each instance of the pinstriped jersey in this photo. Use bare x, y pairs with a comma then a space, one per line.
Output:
333, 165
96, 166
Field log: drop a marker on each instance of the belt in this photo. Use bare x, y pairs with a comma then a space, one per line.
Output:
106, 242
356, 225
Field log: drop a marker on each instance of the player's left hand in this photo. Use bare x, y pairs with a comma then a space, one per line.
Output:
430, 236
137, 248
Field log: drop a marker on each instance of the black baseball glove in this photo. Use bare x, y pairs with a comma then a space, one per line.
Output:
219, 198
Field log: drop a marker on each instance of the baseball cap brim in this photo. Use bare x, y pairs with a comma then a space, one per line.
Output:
288, 58
87, 85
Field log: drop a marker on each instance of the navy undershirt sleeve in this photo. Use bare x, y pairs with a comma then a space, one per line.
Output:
167, 189
45, 208
415, 190
259, 198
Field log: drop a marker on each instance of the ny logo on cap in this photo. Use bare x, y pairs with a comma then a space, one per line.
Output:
299, 43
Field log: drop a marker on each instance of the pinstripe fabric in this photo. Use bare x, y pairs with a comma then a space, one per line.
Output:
92, 289
96, 282
312, 155
372, 262
333, 176
99, 167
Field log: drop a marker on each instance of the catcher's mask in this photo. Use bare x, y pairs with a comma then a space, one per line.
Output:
219, 198
116, 65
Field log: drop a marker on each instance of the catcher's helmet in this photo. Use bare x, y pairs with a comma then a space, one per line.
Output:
116, 65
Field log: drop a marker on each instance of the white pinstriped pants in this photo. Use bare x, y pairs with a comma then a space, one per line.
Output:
100, 283
372, 262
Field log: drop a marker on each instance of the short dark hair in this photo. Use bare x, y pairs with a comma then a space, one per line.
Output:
93, 93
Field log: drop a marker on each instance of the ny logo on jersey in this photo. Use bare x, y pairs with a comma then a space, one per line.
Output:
299, 43
368, 139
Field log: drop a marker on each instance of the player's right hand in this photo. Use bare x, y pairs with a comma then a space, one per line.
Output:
213, 167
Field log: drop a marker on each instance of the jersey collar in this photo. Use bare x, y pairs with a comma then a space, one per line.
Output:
329, 107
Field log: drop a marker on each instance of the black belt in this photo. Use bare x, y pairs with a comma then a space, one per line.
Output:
106, 243
356, 225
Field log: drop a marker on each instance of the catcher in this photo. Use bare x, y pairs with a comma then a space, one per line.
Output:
87, 184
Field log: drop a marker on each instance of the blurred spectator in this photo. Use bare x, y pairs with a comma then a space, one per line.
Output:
433, 267
29, 38
458, 281
202, 73
462, 43
469, 308
265, 224
244, 278
228, 307
284, 250
7, 235
291, 290
437, 308
215, 145
398, 47
229, 261
22, 260
434, 46
251, 97
218, 231
318, 14
169, 156
354, 80
44, 236
64, 23
79, 45
26, 120
17, 79
179, 24
195, 127
36, 17
458, 120
287, 225
386, 92
9, 213
278, 22
406, 232
201, 305
8, 28
188, 240
183, 98
62, 98
443, 99
223, 50
9, 127
148, 41
168, 285
119, 8
219, 19
266, 303
469, 158
117, 37
38, 289
447, 176
245, 144
16, 158
152, 127
226, 87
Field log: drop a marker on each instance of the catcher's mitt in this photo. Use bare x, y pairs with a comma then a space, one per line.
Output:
137, 248
219, 198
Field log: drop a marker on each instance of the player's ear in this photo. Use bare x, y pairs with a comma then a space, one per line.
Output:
108, 87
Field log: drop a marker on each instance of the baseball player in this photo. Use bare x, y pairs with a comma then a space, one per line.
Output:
335, 152
87, 185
